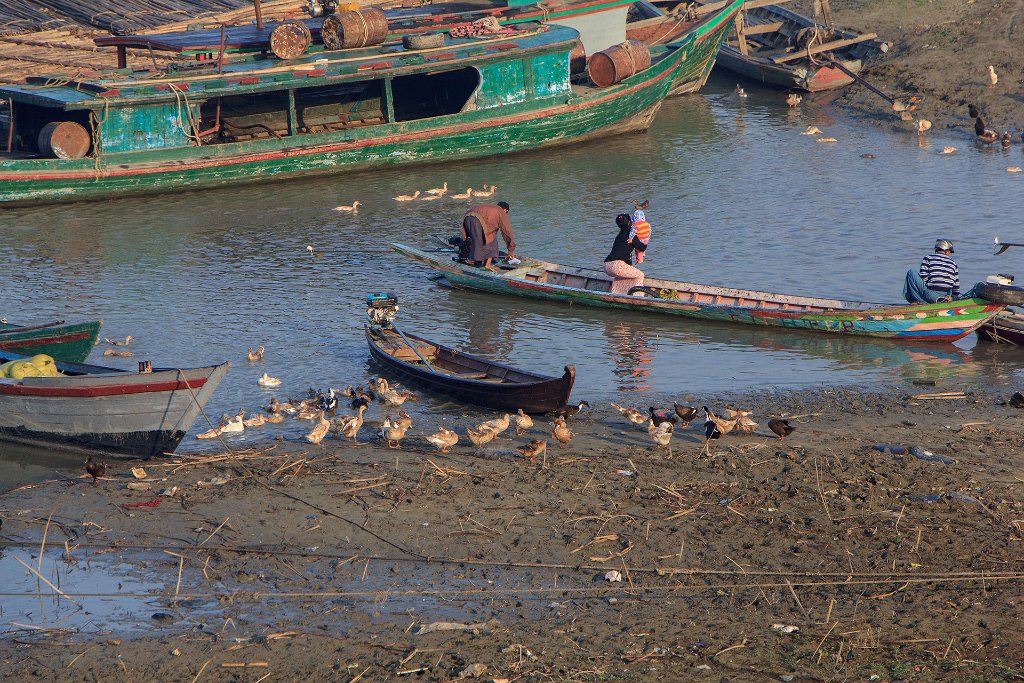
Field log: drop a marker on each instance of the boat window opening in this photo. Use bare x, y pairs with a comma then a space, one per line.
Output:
424, 96
248, 117
30, 119
335, 107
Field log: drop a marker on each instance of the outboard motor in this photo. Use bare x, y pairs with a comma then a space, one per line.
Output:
381, 309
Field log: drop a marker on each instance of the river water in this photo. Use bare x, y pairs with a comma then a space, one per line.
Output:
739, 197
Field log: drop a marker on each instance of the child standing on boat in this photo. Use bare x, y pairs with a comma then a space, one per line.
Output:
641, 231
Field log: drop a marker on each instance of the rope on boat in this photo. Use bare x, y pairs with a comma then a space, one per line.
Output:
95, 125
192, 131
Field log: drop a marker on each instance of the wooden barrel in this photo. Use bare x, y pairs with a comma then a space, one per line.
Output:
355, 29
611, 65
290, 40
64, 140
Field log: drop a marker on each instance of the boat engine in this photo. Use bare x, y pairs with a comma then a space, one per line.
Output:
381, 309
320, 8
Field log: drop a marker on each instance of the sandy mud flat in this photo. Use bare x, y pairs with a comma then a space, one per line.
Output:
816, 558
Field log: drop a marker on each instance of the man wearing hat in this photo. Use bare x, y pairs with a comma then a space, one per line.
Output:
938, 278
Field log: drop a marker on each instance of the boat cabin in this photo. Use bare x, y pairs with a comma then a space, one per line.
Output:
128, 114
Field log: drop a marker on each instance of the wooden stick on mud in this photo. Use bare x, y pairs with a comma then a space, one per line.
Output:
45, 580
797, 599
939, 396
201, 669
213, 533
821, 493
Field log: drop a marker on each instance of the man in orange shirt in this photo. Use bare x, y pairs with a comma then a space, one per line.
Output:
481, 227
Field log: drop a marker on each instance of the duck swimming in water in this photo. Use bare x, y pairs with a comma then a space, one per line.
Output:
986, 135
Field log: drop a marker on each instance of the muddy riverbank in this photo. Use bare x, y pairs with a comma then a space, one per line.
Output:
941, 51
816, 558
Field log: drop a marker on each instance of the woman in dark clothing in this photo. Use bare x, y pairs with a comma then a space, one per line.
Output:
619, 264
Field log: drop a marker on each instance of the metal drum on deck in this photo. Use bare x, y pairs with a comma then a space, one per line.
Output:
290, 40
613, 64
355, 29
64, 140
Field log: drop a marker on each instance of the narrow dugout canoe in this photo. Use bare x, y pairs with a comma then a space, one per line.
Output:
1005, 328
943, 322
105, 411
467, 378
71, 343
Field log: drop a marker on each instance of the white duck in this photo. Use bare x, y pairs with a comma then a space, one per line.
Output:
352, 208
407, 197
266, 381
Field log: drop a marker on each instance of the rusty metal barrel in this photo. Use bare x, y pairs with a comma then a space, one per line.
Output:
64, 140
290, 40
355, 29
613, 64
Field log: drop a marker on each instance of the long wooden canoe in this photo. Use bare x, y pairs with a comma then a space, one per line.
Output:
1005, 328
99, 410
944, 322
467, 378
71, 343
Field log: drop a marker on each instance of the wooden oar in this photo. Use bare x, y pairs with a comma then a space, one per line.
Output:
29, 328
415, 350
1003, 246
898, 106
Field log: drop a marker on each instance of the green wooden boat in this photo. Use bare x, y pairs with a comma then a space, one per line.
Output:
601, 23
259, 119
68, 343
938, 322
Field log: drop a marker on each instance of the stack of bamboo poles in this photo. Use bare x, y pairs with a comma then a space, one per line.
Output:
70, 51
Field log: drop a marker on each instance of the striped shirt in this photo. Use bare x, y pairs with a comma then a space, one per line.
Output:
939, 272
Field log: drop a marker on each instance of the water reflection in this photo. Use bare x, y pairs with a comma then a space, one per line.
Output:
738, 197
632, 350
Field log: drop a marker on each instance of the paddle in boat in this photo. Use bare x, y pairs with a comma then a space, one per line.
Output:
459, 375
99, 410
943, 322
71, 343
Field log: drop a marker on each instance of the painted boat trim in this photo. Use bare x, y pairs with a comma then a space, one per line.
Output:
922, 322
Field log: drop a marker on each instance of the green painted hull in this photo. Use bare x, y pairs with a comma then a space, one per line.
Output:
537, 123
69, 343
446, 138
940, 322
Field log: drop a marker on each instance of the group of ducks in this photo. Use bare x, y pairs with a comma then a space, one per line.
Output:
432, 194
661, 424
321, 406
793, 98
985, 134
442, 192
